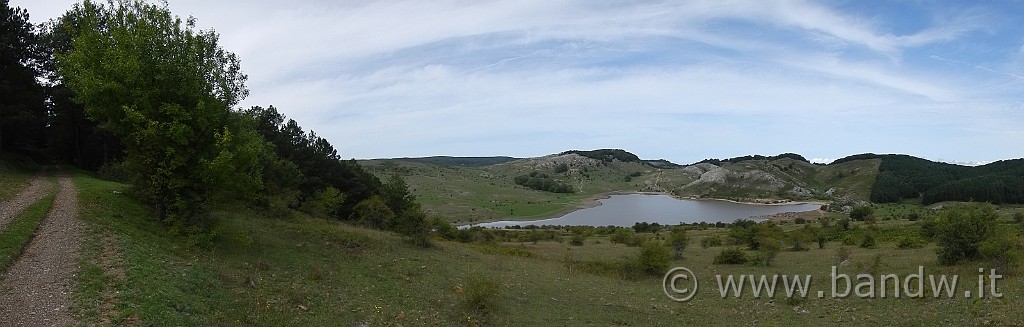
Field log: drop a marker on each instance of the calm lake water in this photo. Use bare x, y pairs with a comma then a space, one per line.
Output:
628, 209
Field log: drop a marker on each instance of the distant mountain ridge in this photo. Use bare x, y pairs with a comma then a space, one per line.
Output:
871, 177
460, 161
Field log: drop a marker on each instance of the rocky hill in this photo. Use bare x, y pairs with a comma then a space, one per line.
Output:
463, 192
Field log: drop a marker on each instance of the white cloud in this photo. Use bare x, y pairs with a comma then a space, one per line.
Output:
400, 78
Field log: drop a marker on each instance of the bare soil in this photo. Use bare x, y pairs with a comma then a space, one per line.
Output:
36, 291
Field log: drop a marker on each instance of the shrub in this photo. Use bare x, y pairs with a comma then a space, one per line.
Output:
913, 216
622, 236
850, 239
911, 242
731, 256
767, 252
800, 221
861, 213
480, 294
844, 224
1003, 250
577, 240
1018, 217
960, 230
710, 241
678, 240
654, 258
868, 241
372, 212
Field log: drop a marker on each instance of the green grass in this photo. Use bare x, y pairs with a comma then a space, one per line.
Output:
314, 272
16, 235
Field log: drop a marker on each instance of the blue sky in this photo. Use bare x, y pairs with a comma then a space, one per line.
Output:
680, 80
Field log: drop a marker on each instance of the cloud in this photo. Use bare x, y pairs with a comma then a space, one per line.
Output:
680, 80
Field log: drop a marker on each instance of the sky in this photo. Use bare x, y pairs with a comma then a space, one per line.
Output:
679, 80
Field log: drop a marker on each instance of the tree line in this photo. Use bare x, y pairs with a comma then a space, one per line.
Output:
129, 87
905, 177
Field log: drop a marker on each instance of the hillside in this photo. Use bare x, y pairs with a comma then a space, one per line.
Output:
463, 193
903, 177
460, 161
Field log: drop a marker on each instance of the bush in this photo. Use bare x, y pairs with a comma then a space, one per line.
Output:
654, 258
622, 236
731, 256
577, 240
1003, 250
372, 212
911, 242
850, 239
868, 241
913, 216
844, 224
710, 241
678, 240
961, 229
767, 252
861, 213
1018, 217
800, 221
480, 294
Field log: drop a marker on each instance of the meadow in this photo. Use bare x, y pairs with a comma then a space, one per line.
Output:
304, 270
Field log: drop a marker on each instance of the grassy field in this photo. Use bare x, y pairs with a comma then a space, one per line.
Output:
308, 271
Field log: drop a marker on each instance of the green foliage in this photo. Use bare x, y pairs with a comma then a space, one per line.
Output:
167, 99
911, 242
767, 251
862, 213
395, 193
306, 163
850, 239
645, 227
324, 203
678, 240
623, 236
731, 256
606, 155
710, 241
1003, 249
1018, 217
653, 258
752, 233
561, 168
718, 162
542, 182
412, 224
961, 229
480, 294
373, 212
868, 241
577, 240
903, 177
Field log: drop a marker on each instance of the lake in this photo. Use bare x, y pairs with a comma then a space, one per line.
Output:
628, 209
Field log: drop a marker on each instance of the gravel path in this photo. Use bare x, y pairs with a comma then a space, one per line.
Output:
36, 291
36, 189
